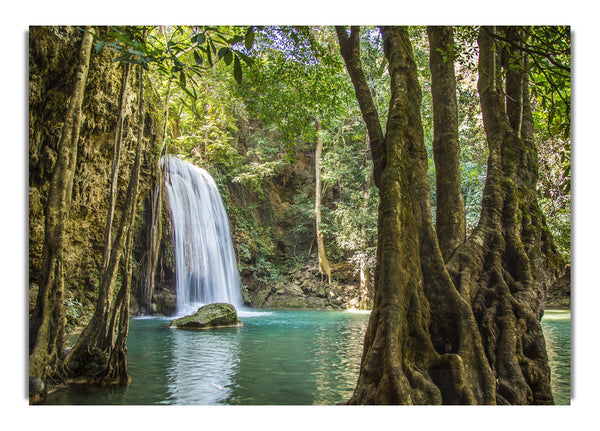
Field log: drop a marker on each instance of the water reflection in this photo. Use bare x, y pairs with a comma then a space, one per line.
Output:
298, 358
201, 366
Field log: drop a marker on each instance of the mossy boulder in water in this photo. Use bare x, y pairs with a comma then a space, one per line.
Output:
209, 316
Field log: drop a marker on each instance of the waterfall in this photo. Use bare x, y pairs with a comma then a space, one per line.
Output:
206, 269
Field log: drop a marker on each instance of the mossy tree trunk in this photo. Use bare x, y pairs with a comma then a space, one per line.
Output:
46, 327
464, 331
506, 266
99, 357
450, 222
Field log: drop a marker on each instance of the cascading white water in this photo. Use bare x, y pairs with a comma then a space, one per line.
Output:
206, 269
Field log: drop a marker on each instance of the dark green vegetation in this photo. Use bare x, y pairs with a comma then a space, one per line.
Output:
423, 173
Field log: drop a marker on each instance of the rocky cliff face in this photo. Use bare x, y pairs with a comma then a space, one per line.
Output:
51, 76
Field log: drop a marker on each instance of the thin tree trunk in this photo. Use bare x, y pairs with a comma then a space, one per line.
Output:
96, 343
46, 327
115, 167
365, 272
155, 222
324, 265
450, 207
103, 301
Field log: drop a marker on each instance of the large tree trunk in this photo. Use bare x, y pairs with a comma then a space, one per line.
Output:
450, 207
506, 266
468, 333
46, 327
421, 345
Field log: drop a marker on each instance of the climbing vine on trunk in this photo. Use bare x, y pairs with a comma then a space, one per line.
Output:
97, 356
46, 327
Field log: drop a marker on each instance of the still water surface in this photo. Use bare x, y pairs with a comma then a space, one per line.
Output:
283, 357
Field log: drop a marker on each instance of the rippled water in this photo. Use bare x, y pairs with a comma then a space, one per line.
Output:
287, 357
556, 325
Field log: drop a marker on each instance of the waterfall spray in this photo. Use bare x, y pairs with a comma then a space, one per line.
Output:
206, 269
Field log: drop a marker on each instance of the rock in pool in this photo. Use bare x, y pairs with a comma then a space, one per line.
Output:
209, 316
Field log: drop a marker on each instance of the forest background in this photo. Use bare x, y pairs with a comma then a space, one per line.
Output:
578, 14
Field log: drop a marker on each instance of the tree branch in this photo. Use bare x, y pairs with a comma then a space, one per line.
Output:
350, 50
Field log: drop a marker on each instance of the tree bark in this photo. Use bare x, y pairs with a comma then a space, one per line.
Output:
510, 258
155, 230
96, 344
465, 332
324, 264
46, 327
403, 363
450, 207
350, 50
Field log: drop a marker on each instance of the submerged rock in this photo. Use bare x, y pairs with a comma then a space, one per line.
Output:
209, 316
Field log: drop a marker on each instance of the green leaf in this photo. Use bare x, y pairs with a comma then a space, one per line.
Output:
247, 59
122, 58
249, 40
235, 39
223, 51
228, 57
209, 55
99, 46
198, 58
182, 79
237, 70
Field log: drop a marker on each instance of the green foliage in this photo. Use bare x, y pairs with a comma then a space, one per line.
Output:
246, 131
296, 80
183, 53
351, 222
549, 48
554, 188
262, 160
